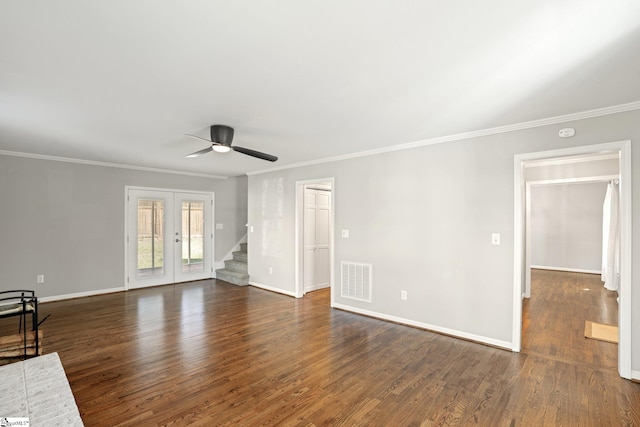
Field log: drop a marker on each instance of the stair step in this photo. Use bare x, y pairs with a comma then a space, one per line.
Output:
240, 256
233, 277
235, 265
243, 247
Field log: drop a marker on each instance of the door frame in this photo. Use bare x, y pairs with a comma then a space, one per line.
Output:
211, 222
519, 267
299, 235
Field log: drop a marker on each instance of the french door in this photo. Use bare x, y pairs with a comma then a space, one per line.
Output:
169, 237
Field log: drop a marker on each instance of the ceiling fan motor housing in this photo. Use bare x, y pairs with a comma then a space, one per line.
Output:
221, 134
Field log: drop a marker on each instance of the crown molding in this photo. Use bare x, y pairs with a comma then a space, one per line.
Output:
467, 135
106, 164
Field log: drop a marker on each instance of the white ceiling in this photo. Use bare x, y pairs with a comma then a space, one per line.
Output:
123, 81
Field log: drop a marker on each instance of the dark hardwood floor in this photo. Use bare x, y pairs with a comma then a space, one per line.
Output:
554, 316
210, 354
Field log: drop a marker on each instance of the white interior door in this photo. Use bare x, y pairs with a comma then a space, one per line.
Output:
317, 232
169, 237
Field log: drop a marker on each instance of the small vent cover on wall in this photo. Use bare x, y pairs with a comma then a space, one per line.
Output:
356, 281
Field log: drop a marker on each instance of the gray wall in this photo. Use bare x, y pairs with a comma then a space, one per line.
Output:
566, 226
231, 212
424, 217
66, 221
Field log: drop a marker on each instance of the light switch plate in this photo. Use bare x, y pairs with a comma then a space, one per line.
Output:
345, 234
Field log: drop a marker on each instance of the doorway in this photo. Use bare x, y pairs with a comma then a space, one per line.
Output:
520, 242
314, 236
564, 290
169, 237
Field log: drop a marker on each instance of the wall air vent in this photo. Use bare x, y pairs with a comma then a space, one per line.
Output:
356, 281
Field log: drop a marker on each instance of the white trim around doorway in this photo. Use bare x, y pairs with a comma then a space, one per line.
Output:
624, 307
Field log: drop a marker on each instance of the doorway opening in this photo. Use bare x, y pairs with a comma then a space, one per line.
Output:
564, 260
168, 237
522, 249
314, 264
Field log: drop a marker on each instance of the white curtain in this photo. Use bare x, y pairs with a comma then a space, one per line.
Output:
611, 237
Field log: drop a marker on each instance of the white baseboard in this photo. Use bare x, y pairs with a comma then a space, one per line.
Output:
471, 337
81, 294
272, 289
570, 270
316, 288
635, 375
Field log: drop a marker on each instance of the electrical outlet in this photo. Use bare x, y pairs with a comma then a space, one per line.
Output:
270, 270
40, 278
403, 295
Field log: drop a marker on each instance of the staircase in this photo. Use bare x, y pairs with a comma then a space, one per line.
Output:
235, 270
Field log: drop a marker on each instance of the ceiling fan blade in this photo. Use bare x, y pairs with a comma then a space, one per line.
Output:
197, 137
201, 152
253, 153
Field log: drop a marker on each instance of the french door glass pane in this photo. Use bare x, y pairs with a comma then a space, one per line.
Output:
150, 237
192, 236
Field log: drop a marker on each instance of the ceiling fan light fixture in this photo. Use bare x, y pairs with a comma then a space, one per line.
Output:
220, 142
221, 148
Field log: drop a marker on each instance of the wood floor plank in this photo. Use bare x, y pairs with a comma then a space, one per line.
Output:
212, 354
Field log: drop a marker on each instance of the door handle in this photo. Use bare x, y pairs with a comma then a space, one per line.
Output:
177, 240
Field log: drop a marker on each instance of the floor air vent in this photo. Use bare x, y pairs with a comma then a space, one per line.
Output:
356, 281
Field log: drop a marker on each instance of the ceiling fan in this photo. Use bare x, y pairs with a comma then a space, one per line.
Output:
221, 137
